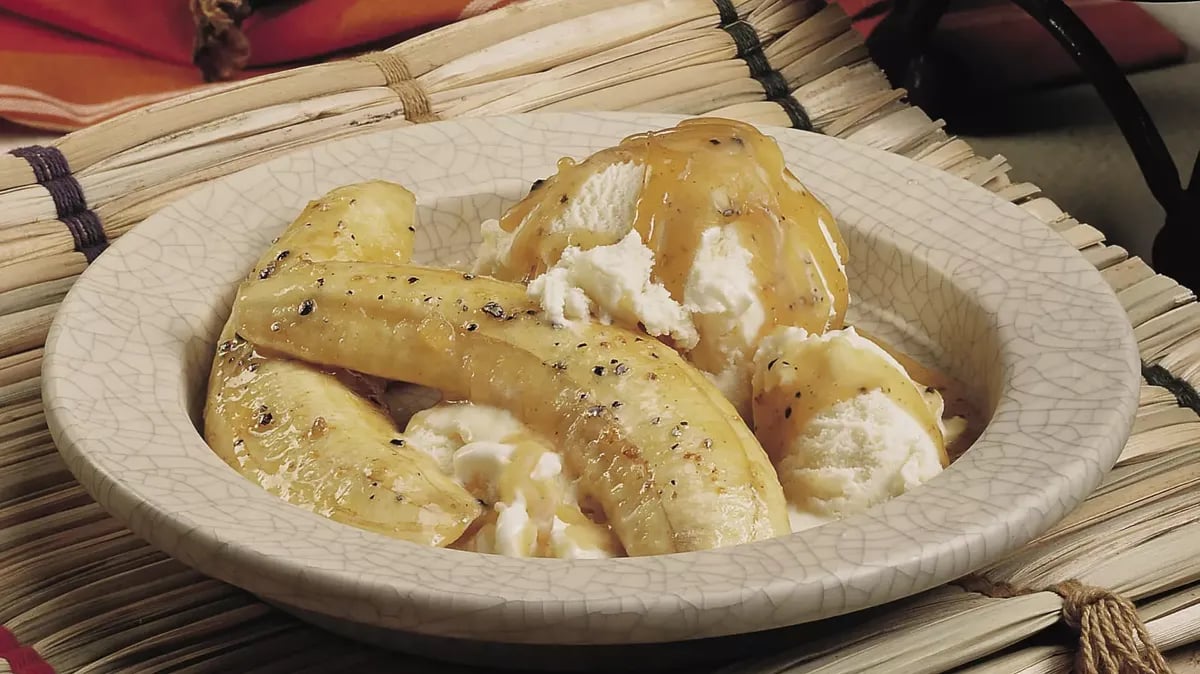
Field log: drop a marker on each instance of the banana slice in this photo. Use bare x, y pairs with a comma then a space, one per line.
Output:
310, 436
667, 458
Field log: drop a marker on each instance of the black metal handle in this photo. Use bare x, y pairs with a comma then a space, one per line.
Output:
899, 42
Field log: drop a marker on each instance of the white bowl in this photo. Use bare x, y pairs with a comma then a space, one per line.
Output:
939, 266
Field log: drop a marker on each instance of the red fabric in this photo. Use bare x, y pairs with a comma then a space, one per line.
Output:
21, 659
65, 64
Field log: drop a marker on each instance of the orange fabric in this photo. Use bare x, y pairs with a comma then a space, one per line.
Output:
65, 64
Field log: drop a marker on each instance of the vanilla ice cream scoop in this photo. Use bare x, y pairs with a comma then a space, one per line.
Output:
698, 235
842, 421
532, 509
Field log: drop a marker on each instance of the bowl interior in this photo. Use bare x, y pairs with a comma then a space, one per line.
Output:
909, 315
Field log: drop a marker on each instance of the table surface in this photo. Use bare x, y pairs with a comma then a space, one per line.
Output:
1031, 152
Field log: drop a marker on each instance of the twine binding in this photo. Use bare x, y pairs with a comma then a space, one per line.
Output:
398, 78
1112, 637
51, 170
1185, 395
749, 49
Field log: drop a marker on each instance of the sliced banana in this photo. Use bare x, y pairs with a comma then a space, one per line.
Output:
311, 436
666, 457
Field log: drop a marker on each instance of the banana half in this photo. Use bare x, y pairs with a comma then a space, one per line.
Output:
310, 435
667, 458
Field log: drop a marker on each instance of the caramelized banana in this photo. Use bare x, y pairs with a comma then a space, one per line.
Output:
666, 457
307, 435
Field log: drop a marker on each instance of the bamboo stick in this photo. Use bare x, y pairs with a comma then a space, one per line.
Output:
20, 367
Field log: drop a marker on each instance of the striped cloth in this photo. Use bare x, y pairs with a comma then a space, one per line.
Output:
65, 64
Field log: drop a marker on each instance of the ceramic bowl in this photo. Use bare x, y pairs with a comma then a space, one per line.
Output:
943, 268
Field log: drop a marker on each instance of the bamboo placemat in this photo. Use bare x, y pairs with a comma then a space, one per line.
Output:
78, 593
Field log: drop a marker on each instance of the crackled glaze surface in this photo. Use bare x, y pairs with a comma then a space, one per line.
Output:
938, 265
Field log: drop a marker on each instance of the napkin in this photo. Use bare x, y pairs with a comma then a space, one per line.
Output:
65, 64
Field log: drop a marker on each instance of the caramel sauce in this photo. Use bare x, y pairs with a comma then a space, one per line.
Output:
701, 174
813, 376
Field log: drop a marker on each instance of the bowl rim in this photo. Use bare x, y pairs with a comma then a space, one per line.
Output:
901, 547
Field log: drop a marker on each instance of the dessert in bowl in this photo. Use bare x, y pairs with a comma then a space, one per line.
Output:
942, 274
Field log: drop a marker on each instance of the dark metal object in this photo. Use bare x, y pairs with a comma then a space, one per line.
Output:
901, 45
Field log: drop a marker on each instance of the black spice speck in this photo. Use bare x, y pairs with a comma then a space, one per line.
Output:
772, 363
562, 199
617, 403
580, 345
265, 419
675, 446
787, 413
379, 297
621, 368
413, 279
559, 365
472, 327
306, 307
598, 370
399, 442
707, 443
594, 411
798, 394
493, 309
656, 421
266, 271
411, 228
321, 282
275, 327
468, 276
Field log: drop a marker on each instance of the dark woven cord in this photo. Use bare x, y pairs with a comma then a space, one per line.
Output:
52, 171
749, 49
729, 15
1157, 375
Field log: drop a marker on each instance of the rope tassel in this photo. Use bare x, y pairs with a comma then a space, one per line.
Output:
1112, 637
